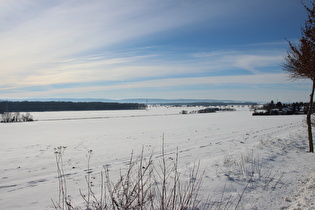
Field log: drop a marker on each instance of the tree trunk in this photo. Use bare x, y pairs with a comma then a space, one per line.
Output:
309, 119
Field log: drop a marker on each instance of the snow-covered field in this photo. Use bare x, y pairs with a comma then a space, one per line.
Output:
228, 145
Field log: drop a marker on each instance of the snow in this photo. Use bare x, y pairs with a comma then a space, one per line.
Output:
303, 198
228, 146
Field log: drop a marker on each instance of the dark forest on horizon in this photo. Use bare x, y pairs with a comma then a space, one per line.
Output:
42, 106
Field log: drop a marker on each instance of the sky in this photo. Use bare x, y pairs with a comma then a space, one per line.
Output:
168, 49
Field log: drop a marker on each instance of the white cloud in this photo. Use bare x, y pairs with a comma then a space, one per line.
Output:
35, 46
252, 62
64, 42
252, 87
242, 79
138, 67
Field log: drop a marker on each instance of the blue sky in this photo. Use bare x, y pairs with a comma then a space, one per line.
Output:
171, 49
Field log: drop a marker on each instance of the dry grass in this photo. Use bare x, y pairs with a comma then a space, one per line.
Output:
144, 185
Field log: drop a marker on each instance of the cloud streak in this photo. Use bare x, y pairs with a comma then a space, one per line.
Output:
139, 67
244, 81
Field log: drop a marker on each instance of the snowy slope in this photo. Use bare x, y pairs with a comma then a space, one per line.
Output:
225, 143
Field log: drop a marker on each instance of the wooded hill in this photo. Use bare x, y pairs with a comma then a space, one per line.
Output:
39, 106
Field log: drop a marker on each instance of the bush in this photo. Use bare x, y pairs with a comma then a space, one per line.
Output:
252, 169
145, 185
7, 117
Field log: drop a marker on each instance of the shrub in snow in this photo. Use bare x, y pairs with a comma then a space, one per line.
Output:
144, 185
7, 117
250, 168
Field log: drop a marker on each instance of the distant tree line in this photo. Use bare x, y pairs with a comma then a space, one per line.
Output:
205, 104
281, 108
207, 110
39, 106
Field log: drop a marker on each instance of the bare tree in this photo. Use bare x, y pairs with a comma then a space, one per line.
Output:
300, 62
